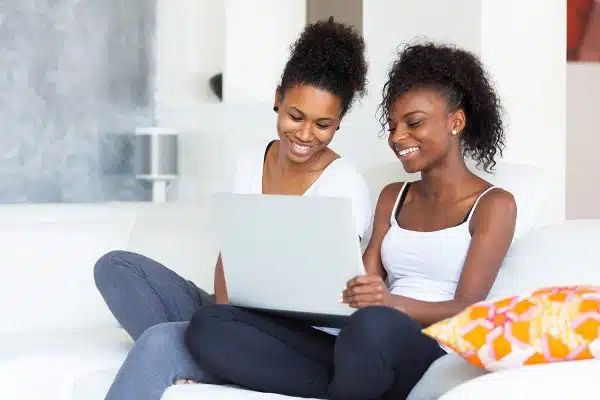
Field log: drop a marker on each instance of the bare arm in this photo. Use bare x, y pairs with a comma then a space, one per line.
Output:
492, 230
381, 224
220, 285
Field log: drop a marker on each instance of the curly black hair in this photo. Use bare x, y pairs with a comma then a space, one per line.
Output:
331, 56
462, 81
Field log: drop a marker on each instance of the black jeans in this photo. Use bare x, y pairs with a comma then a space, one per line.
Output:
380, 354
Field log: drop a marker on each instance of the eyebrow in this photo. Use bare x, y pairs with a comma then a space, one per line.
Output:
408, 114
413, 112
318, 119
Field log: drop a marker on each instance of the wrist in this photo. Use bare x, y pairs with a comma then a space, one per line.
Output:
396, 303
389, 300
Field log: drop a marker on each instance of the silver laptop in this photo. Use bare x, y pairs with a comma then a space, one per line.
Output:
288, 255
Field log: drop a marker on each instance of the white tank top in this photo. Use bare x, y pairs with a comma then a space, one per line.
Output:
425, 265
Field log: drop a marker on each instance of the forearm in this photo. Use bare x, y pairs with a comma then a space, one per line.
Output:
427, 312
220, 285
373, 264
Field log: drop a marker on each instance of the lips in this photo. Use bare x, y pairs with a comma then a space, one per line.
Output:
405, 153
300, 149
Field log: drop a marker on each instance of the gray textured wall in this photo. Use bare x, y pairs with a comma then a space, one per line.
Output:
73, 73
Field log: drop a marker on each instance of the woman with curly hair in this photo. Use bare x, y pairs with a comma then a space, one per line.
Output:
439, 242
325, 73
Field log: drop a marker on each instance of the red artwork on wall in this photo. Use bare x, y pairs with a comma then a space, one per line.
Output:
583, 30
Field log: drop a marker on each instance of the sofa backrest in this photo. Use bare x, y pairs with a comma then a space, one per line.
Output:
179, 235
560, 254
530, 185
48, 252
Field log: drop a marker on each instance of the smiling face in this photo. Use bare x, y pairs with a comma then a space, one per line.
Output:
307, 120
421, 129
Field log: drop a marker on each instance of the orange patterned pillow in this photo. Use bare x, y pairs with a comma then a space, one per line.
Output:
549, 325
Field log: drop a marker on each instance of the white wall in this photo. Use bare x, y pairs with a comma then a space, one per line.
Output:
389, 24
190, 50
583, 125
246, 40
258, 34
524, 54
523, 45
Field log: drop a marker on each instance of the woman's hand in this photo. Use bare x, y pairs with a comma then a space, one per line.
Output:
366, 290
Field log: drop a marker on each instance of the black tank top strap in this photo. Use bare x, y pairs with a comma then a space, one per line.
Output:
401, 200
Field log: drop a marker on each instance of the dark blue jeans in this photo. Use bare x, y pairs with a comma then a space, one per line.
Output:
380, 354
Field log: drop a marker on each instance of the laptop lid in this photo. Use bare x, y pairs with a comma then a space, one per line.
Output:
289, 255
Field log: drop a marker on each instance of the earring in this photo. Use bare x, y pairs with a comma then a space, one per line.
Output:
276, 109
337, 129
454, 132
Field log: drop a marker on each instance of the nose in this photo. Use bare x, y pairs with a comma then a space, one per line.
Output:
397, 136
305, 132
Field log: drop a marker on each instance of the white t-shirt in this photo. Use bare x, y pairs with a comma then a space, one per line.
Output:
339, 179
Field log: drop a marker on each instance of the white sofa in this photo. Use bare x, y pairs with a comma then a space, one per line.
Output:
58, 340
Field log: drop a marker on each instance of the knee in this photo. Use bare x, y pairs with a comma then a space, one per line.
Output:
207, 320
109, 266
204, 335
373, 328
161, 342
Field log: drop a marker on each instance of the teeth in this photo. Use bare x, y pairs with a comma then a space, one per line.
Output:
407, 151
300, 147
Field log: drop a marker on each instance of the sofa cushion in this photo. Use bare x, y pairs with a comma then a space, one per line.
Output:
568, 380
56, 360
444, 374
95, 385
216, 392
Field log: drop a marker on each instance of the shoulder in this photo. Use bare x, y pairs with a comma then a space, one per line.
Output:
498, 200
497, 206
390, 191
388, 195
342, 176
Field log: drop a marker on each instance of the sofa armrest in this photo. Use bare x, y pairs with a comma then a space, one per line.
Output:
564, 380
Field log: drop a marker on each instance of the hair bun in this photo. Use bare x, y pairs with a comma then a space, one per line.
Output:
331, 56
